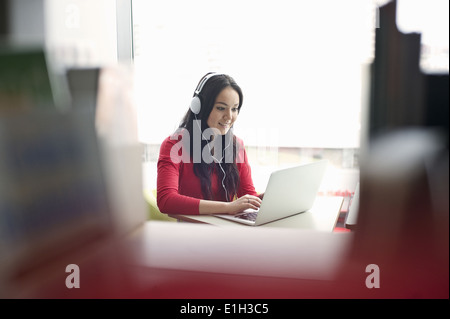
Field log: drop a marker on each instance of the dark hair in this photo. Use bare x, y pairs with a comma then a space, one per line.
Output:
203, 170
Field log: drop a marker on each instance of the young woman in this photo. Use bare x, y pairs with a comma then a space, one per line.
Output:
202, 167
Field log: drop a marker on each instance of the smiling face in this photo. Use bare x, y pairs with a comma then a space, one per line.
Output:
225, 110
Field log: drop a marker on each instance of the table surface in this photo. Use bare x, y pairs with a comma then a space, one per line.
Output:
256, 251
322, 216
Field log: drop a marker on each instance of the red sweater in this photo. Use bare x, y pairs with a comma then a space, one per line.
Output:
179, 189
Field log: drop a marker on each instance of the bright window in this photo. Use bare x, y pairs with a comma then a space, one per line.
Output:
298, 63
302, 65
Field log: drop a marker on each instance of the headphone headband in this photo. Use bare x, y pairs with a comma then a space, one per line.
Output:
202, 82
196, 103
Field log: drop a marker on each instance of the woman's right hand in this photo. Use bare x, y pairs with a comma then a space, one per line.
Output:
243, 203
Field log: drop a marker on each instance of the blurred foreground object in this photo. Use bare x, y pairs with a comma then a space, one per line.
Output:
403, 224
28, 83
116, 124
54, 208
404, 181
71, 182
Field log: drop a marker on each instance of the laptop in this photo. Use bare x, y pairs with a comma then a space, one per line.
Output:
290, 191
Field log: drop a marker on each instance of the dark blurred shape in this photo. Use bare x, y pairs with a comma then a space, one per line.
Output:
25, 81
397, 90
401, 95
437, 102
4, 19
83, 86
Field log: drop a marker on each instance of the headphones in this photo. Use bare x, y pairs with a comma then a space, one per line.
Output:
196, 104
195, 107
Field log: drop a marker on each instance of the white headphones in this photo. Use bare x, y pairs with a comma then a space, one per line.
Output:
196, 104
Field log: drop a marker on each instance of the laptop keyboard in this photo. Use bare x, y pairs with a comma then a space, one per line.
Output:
248, 216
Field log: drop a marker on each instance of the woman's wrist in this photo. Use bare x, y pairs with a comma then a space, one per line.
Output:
208, 207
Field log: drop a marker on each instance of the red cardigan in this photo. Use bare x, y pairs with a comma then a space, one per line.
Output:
179, 189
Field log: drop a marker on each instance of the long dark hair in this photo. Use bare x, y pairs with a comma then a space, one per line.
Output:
203, 170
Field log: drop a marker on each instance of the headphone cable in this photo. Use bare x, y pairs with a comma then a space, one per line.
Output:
217, 161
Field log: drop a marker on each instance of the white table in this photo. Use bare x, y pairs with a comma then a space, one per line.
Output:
322, 217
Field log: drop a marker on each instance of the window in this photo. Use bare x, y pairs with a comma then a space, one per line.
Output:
299, 65
302, 67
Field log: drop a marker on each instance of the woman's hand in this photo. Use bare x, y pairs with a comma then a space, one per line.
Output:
243, 203
208, 207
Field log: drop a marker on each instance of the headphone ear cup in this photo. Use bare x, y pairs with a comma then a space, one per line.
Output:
196, 105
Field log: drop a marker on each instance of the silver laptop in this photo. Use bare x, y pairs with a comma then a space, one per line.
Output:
290, 191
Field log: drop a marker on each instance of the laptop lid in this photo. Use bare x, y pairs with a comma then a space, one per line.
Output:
289, 191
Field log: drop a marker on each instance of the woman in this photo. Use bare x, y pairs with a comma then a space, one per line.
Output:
203, 167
